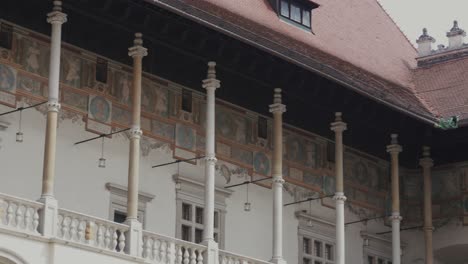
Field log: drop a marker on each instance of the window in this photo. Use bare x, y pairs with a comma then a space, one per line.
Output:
101, 70
377, 250
190, 211
6, 36
118, 203
317, 241
297, 11
262, 128
187, 101
373, 259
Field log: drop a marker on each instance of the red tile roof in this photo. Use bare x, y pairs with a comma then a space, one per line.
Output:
354, 39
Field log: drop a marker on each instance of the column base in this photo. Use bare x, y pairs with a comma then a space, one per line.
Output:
133, 237
278, 261
48, 216
211, 255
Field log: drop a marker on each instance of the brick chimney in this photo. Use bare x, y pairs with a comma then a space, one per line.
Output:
455, 36
425, 43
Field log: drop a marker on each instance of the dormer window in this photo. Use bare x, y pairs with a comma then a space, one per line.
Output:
297, 11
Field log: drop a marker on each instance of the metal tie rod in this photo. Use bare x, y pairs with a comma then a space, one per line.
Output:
366, 219
177, 161
22, 108
310, 199
102, 135
247, 182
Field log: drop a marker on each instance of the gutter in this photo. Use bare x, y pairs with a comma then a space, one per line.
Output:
184, 11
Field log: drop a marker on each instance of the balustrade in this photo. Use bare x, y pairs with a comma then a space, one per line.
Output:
166, 250
226, 257
19, 214
91, 231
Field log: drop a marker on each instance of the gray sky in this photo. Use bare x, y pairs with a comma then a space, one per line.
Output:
436, 15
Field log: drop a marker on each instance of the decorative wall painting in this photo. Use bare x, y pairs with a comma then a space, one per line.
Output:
242, 156
231, 126
162, 129
30, 85
75, 100
7, 85
261, 163
71, 70
121, 116
33, 56
122, 87
99, 114
185, 137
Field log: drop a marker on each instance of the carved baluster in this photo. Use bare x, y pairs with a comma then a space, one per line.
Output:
121, 241
19, 216
73, 228
179, 256
200, 257
65, 226
35, 222
10, 214
28, 218
115, 238
146, 247
107, 239
81, 230
100, 236
155, 249
186, 256
89, 232
193, 256
170, 253
162, 252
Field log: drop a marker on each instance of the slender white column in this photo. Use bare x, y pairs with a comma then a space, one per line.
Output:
137, 52
48, 216
277, 108
56, 18
394, 149
338, 127
426, 164
210, 84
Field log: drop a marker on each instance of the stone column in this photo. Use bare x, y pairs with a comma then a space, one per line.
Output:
210, 84
426, 164
394, 149
49, 215
137, 52
277, 108
338, 127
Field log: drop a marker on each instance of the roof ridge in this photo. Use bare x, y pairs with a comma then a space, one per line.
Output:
395, 23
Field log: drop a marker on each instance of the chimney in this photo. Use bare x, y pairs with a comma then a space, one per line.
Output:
455, 36
425, 43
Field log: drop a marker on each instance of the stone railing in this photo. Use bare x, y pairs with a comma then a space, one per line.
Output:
92, 231
167, 250
226, 257
19, 214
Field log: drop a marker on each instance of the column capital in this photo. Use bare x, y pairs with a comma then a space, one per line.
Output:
57, 16
135, 132
277, 106
211, 159
339, 196
338, 126
395, 217
426, 161
53, 106
394, 148
211, 83
278, 179
137, 50
428, 228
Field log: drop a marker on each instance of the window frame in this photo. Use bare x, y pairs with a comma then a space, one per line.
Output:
192, 192
303, 7
377, 248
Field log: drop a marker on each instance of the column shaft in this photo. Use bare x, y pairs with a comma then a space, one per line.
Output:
56, 18
394, 149
277, 108
426, 164
210, 84
338, 127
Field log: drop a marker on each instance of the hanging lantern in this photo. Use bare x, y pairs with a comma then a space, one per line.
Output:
19, 134
102, 160
247, 205
309, 221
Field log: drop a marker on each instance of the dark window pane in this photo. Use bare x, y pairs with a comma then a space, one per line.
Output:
284, 8
199, 215
370, 260
187, 212
318, 248
306, 245
186, 233
330, 151
262, 127
329, 252
380, 261
306, 18
295, 13
216, 237
317, 262
119, 217
187, 100
305, 261
216, 220
6, 36
101, 70
198, 235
